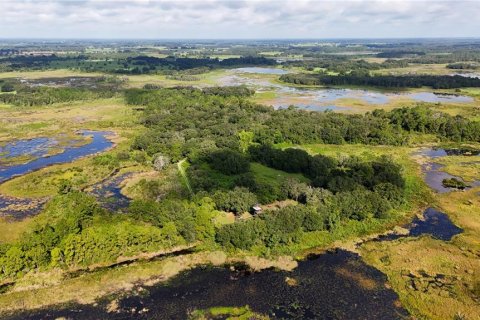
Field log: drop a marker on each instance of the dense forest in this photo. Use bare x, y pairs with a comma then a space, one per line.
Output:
386, 81
40, 96
187, 122
65, 90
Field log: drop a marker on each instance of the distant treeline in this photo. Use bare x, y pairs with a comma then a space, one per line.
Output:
191, 63
344, 65
399, 53
454, 57
39, 96
129, 65
386, 81
463, 65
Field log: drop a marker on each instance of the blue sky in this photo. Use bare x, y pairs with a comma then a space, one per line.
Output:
208, 19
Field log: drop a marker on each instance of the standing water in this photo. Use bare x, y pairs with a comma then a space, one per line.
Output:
20, 208
99, 143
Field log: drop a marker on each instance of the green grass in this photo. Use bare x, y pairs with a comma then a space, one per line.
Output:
11, 231
261, 173
182, 166
466, 167
273, 177
228, 313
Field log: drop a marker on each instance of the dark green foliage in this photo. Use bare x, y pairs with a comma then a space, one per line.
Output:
454, 183
345, 65
190, 123
68, 214
107, 160
123, 156
229, 162
65, 186
282, 227
462, 65
238, 200
390, 192
424, 120
130, 65
239, 91
267, 193
326, 172
362, 204
46, 95
241, 235
153, 63
362, 79
202, 179
7, 87
78, 233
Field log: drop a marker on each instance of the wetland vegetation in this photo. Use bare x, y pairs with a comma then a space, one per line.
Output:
135, 183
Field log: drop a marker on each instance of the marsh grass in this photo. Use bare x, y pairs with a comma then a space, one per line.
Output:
457, 260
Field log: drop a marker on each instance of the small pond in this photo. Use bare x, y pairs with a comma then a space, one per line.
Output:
37, 147
434, 175
433, 222
438, 97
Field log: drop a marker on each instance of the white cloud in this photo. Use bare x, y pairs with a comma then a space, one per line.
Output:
237, 18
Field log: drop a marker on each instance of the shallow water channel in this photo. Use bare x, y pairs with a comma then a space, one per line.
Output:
433, 174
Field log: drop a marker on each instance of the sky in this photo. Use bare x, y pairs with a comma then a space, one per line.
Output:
238, 19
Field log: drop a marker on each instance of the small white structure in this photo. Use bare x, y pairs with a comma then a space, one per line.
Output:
256, 208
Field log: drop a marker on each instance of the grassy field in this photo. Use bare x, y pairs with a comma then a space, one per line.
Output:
204, 79
430, 69
273, 177
57, 73
29, 122
231, 313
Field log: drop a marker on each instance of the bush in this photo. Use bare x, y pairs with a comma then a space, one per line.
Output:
237, 200
454, 183
123, 156
8, 87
